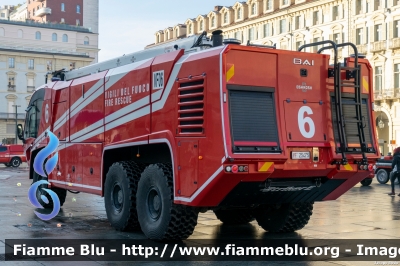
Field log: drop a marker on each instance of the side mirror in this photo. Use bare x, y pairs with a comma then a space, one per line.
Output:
20, 132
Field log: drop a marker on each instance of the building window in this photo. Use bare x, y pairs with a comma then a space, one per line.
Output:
86, 41
238, 35
298, 44
378, 32
176, 34
282, 26
251, 34
63, 7
49, 65
396, 76
315, 48
213, 21
336, 37
190, 28
253, 9
78, 23
65, 38
38, 35
378, 78
285, 2
358, 7
11, 62
335, 13
78, 9
72, 66
269, 4
3, 15
315, 17
377, 4
31, 64
226, 17
62, 21
266, 30
239, 13
396, 30
297, 22
201, 26
54, 37
359, 36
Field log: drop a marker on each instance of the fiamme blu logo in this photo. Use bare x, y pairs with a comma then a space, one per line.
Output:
43, 169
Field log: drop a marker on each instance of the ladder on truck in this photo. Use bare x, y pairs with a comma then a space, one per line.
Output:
352, 80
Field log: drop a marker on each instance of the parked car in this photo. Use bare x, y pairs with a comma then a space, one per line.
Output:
12, 155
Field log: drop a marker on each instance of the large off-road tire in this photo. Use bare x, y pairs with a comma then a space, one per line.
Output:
159, 217
239, 216
284, 218
382, 176
366, 182
61, 193
15, 162
120, 194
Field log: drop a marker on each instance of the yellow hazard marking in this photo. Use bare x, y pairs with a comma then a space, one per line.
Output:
265, 167
230, 73
348, 167
365, 84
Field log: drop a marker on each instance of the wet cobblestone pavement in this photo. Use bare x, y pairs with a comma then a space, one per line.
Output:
361, 213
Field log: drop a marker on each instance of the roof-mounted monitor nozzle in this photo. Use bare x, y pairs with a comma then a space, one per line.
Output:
217, 38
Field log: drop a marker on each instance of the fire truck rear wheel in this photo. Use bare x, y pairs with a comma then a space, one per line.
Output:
382, 176
159, 217
284, 218
366, 182
15, 162
234, 216
120, 194
61, 193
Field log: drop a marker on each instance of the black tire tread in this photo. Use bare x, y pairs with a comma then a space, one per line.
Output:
133, 170
183, 218
234, 216
366, 182
296, 217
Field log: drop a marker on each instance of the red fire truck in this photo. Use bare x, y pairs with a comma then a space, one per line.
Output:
248, 131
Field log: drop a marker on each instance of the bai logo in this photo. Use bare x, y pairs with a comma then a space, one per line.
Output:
305, 62
43, 169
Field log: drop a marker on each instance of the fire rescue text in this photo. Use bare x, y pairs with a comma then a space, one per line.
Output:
124, 95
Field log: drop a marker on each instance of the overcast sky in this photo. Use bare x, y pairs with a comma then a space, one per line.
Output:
127, 26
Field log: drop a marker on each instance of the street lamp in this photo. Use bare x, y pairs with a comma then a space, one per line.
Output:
16, 122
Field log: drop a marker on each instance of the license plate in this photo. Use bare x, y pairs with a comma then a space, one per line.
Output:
300, 155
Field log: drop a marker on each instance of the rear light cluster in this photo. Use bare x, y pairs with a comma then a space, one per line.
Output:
236, 168
369, 167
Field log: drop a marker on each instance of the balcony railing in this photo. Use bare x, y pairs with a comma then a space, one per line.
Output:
362, 48
11, 116
394, 43
43, 12
30, 88
378, 46
11, 87
387, 94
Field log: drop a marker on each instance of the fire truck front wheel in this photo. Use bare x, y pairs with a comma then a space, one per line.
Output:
120, 194
234, 216
284, 218
159, 217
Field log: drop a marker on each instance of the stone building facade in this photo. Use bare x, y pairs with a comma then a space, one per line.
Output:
28, 52
373, 25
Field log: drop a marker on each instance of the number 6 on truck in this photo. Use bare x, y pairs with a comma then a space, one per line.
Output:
303, 120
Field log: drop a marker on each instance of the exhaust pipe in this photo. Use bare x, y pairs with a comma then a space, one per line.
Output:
217, 38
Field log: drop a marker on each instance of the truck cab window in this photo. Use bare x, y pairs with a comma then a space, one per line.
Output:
3, 149
33, 115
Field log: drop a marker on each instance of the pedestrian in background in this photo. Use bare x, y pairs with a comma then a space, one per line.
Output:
395, 169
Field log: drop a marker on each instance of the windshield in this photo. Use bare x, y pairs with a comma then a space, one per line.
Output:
33, 115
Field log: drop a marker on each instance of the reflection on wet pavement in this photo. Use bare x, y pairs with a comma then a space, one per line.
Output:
361, 213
